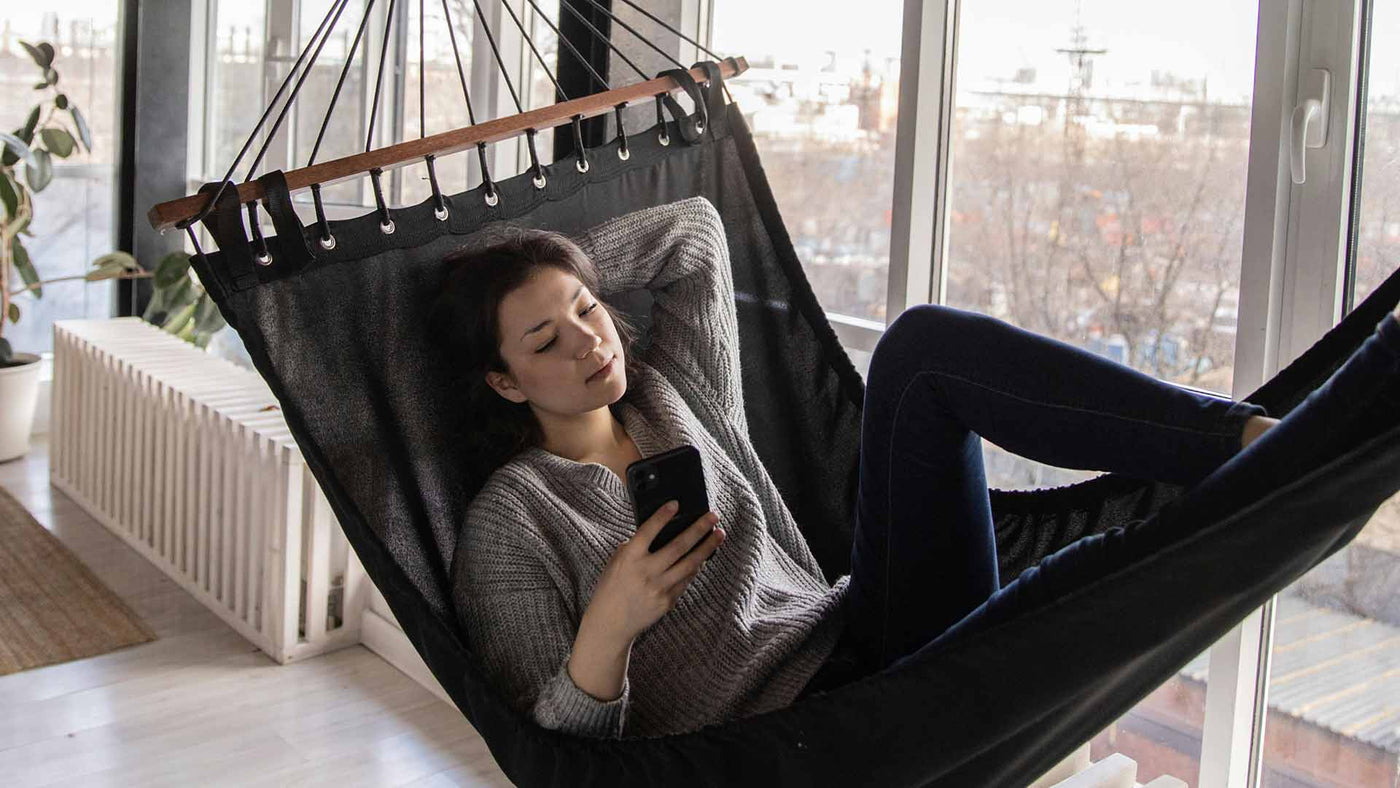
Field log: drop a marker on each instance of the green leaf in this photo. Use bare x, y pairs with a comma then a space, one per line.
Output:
27, 133
16, 146
42, 54
61, 101
167, 300
40, 85
26, 267
5, 352
39, 176
171, 269
112, 265
84, 133
8, 196
208, 321
178, 319
58, 141
122, 261
51, 75
13, 312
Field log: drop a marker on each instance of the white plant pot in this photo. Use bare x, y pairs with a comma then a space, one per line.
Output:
19, 393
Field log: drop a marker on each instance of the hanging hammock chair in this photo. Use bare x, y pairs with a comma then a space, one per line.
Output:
338, 331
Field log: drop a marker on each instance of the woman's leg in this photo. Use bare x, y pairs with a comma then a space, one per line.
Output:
1361, 399
925, 553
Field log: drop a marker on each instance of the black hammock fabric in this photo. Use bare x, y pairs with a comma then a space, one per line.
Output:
339, 335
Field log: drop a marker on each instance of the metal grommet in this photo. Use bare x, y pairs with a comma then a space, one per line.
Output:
624, 154
664, 138
263, 258
440, 213
582, 165
492, 198
388, 228
539, 181
328, 242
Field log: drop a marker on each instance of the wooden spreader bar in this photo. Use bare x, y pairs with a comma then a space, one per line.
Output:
165, 215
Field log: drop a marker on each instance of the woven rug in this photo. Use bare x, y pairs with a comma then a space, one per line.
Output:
52, 608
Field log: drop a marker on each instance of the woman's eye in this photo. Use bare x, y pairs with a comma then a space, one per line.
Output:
550, 343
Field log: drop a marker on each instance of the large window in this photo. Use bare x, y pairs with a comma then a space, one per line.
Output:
1116, 175
73, 215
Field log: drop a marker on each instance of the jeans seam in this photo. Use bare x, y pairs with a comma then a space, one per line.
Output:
889, 516
1069, 407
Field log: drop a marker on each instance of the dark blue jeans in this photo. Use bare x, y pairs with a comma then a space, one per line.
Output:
924, 558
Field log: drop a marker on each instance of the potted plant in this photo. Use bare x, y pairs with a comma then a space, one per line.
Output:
178, 305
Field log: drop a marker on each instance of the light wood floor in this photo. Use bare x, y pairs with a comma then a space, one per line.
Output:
202, 706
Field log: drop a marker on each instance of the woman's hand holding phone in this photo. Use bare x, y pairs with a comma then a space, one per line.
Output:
638, 587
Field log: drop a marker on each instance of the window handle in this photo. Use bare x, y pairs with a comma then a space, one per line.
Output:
1309, 128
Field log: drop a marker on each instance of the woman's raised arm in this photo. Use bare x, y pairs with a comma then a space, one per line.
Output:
679, 252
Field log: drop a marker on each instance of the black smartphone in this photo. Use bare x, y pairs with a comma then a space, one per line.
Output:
675, 475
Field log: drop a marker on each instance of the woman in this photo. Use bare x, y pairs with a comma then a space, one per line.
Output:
553, 581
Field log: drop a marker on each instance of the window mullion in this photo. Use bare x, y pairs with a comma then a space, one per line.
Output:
921, 155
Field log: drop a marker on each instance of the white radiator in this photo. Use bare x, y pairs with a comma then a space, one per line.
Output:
187, 458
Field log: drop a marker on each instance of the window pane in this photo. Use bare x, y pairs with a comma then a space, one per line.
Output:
236, 76
821, 96
1334, 687
73, 220
1096, 195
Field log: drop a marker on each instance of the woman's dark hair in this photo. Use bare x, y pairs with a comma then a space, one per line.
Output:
465, 320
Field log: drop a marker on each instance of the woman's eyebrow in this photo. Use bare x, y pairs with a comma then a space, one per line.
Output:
547, 321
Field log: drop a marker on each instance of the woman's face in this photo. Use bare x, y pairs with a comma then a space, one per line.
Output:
554, 336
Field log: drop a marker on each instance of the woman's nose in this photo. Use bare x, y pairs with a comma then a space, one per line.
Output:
591, 344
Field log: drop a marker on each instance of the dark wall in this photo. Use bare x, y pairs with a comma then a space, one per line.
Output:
155, 63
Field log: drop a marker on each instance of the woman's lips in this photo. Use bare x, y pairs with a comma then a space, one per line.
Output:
604, 372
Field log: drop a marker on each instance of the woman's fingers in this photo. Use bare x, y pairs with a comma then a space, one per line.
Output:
685, 570
686, 539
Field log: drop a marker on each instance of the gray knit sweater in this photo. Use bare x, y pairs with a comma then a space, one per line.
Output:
757, 621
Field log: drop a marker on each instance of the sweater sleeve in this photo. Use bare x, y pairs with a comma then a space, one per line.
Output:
680, 253
518, 623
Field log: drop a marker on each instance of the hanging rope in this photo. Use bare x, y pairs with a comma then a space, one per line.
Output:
266, 114
492, 196
599, 35
306, 72
561, 38
531, 42
622, 151
538, 179
678, 33
632, 30
490, 39
439, 203
327, 240
340, 83
379, 78
386, 222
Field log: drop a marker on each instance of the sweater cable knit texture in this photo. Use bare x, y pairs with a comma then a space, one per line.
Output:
757, 621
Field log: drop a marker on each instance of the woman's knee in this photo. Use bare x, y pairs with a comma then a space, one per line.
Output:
929, 328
